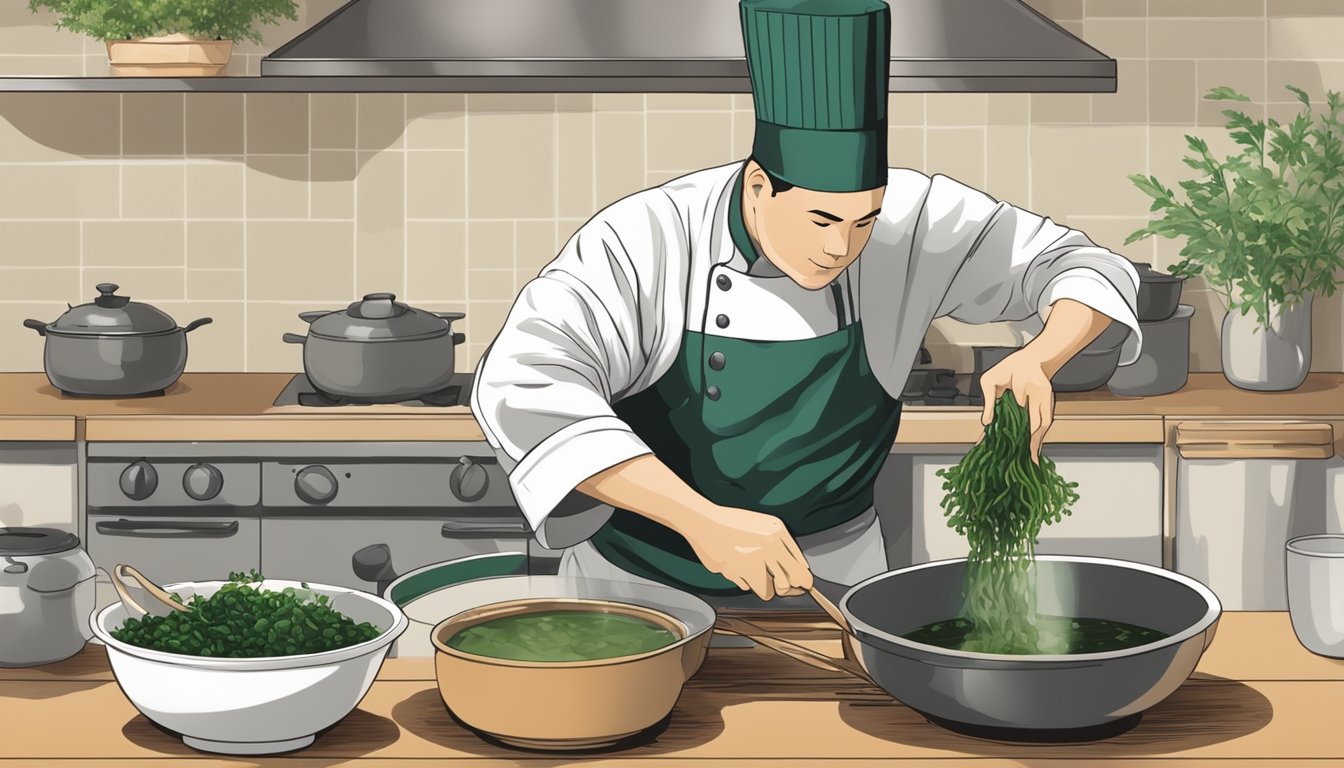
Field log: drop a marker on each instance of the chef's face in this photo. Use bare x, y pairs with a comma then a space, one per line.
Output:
811, 236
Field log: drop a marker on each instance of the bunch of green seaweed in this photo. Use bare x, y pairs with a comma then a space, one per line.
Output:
999, 499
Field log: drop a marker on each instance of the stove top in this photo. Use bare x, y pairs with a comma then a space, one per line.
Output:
300, 391
938, 386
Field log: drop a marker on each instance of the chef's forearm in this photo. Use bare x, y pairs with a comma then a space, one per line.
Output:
646, 486
1070, 325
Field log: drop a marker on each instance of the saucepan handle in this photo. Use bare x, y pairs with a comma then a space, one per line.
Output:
36, 325
309, 317
194, 324
450, 315
814, 659
294, 338
458, 338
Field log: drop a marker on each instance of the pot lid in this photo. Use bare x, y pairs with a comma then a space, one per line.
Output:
21, 542
379, 316
110, 313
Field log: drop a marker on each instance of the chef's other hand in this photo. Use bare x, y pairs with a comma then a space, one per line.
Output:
752, 550
1027, 378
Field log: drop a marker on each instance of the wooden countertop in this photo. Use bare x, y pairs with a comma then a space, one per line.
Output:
226, 406
1257, 694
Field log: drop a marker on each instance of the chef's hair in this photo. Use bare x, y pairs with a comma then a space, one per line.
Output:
777, 184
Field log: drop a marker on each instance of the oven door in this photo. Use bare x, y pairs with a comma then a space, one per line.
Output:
368, 551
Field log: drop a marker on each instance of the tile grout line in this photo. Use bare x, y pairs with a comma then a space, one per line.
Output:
186, 285
466, 226
121, 151
354, 217
405, 195
1148, 112
246, 313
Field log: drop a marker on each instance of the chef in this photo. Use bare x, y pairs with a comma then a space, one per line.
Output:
700, 389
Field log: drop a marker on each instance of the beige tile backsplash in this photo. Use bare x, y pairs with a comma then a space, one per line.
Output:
253, 208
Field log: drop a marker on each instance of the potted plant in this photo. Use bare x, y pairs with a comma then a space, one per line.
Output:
170, 38
1265, 229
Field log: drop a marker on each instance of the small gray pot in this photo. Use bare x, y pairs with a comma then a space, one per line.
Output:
379, 350
114, 347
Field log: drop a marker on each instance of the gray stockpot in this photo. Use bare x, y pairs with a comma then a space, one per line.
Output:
114, 347
46, 596
1034, 698
379, 350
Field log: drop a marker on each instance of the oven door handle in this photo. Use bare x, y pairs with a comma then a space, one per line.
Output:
483, 527
168, 529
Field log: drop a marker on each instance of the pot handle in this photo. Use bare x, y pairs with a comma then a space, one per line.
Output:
294, 338
814, 659
450, 315
458, 338
309, 317
194, 324
36, 325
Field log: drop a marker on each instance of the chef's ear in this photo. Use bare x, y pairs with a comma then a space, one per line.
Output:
756, 180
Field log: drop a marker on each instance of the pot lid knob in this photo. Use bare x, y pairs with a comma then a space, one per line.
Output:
377, 306
107, 297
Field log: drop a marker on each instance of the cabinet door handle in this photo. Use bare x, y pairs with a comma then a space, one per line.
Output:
168, 529
1255, 440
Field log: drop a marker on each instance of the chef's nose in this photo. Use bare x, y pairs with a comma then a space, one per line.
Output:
836, 245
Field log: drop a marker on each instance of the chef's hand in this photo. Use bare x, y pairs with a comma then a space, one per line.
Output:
1026, 376
752, 550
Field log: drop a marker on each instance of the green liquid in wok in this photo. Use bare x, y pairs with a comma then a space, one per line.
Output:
1058, 635
565, 635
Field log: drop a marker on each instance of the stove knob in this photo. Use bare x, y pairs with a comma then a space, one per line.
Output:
139, 480
315, 485
468, 482
202, 481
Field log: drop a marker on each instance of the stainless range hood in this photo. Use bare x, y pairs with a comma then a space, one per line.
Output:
587, 46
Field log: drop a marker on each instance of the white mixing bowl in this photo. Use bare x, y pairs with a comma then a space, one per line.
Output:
252, 706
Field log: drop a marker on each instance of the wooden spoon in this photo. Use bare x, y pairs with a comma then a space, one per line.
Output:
763, 637
158, 603
831, 609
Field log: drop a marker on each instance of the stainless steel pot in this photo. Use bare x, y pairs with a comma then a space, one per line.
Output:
1164, 361
1159, 294
114, 347
1089, 369
1009, 697
46, 596
379, 350
1046, 697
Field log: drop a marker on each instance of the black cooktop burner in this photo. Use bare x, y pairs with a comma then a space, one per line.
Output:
300, 391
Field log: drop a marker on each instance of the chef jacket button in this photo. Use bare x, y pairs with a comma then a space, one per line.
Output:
721, 321
723, 282
712, 393
716, 361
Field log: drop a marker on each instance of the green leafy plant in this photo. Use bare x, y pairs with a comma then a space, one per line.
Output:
1264, 227
242, 620
201, 19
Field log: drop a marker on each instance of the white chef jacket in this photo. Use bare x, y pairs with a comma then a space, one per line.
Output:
605, 319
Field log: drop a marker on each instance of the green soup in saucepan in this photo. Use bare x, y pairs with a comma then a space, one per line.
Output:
1056, 635
562, 635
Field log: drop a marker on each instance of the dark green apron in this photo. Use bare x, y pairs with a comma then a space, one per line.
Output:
795, 429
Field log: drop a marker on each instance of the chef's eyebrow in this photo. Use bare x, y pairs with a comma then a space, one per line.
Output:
833, 217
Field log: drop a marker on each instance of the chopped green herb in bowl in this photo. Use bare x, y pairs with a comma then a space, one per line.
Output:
243, 620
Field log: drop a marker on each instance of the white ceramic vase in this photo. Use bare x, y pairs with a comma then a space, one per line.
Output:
1273, 359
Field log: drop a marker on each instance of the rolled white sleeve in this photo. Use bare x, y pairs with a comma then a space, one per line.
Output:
586, 332
1011, 263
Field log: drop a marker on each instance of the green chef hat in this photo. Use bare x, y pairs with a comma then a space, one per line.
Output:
819, 71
